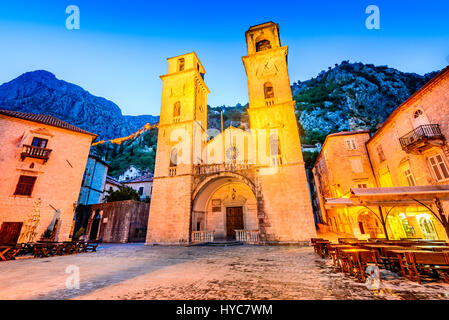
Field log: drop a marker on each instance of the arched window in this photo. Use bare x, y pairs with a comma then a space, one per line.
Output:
275, 150
263, 45
174, 158
268, 90
418, 113
420, 118
181, 64
177, 111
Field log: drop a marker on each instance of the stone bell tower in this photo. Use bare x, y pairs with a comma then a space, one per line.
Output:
183, 121
282, 178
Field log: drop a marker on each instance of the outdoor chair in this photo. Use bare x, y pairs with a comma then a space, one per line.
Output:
8, 251
92, 246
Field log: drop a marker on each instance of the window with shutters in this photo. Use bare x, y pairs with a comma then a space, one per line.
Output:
25, 186
439, 167
409, 177
380, 153
350, 144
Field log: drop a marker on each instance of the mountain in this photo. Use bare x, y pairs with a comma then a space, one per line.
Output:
41, 92
351, 96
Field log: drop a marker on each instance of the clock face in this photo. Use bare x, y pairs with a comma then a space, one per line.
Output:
267, 69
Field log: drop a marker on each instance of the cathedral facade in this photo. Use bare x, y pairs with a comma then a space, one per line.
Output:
234, 183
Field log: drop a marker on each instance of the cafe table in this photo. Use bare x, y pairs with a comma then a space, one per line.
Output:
433, 248
353, 259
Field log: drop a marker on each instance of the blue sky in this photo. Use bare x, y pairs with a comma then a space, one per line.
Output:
121, 49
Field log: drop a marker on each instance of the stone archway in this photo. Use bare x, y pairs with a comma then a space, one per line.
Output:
219, 199
368, 224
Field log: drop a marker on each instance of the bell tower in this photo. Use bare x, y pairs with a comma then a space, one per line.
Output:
183, 121
282, 178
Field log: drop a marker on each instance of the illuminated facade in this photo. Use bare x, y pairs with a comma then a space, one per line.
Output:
231, 183
43, 161
410, 150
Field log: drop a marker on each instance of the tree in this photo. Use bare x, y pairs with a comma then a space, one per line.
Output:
123, 193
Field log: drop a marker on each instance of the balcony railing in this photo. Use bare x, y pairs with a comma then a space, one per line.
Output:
269, 102
35, 152
247, 236
202, 236
220, 167
418, 138
276, 160
172, 171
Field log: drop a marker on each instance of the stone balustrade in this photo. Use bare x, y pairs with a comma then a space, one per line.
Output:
247, 236
220, 167
202, 236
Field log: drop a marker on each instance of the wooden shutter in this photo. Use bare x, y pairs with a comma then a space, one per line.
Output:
25, 186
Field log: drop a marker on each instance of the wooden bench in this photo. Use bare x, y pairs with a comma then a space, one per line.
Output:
358, 259
428, 265
92, 246
321, 248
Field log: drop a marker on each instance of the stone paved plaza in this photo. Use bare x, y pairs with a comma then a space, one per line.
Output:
135, 271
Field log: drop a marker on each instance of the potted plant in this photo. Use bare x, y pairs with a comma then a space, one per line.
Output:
47, 234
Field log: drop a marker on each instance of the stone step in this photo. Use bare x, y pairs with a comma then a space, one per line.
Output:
217, 244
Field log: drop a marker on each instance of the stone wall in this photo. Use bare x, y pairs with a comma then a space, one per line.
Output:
119, 221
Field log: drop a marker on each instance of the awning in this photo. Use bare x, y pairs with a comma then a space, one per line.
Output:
393, 196
339, 203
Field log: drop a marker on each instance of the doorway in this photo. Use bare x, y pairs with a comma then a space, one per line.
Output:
234, 221
95, 224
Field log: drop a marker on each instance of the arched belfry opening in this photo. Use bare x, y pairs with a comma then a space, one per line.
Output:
263, 45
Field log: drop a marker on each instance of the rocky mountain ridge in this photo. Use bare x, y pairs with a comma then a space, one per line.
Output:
41, 92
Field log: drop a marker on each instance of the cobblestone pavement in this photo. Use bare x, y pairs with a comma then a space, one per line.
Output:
134, 271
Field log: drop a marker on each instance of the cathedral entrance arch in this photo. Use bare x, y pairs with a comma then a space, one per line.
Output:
223, 204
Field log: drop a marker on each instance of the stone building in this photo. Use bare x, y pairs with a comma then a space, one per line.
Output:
232, 184
111, 185
396, 181
42, 161
143, 185
131, 173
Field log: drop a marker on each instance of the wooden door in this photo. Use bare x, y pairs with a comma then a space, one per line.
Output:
234, 221
10, 232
